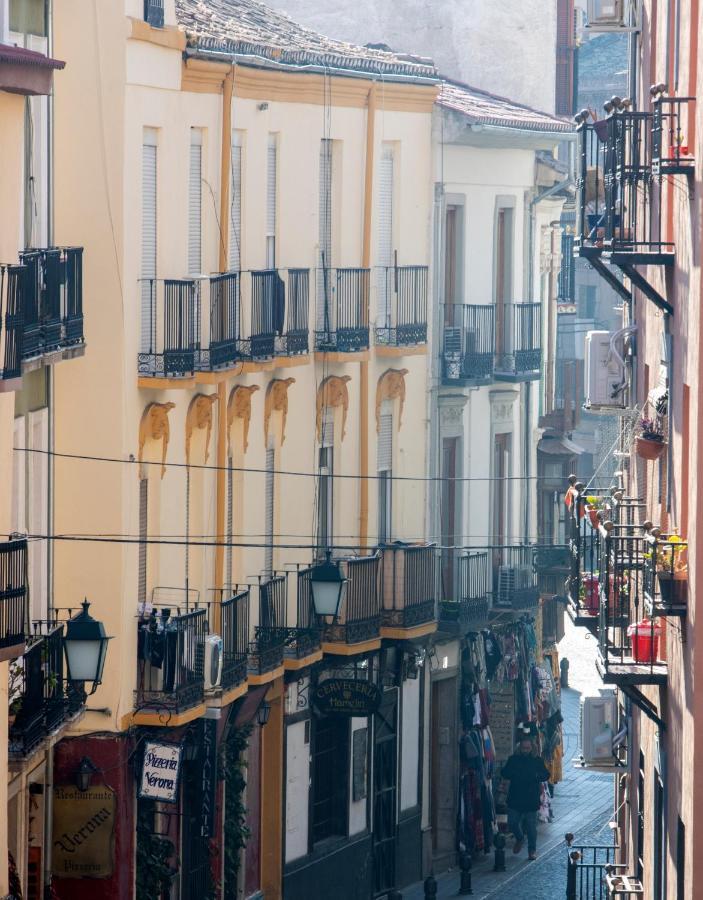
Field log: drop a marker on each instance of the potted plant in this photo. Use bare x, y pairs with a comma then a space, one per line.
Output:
672, 570
593, 505
14, 691
650, 442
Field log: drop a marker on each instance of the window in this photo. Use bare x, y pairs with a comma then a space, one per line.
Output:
148, 312
271, 186
268, 504
449, 511
326, 482
659, 838
154, 13
235, 231
330, 767
453, 239
384, 236
587, 301
640, 819
385, 477
230, 523
503, 277
195, 175
325, 308
680, 861
143, 523
26, 17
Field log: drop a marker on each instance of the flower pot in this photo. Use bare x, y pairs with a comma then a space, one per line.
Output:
644, 636
649, 449
673, 589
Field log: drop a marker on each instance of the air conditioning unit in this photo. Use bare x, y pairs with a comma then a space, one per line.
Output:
599, 720
512, 579
604, 373
452, 353
604, 15
213, 661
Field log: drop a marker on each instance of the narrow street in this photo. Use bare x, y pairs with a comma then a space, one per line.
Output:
583, 805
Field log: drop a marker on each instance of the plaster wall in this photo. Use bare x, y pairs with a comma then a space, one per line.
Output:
296, 791
410, 744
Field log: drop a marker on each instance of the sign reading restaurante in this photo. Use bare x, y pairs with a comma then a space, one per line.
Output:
346, 697
162, 765
83, 827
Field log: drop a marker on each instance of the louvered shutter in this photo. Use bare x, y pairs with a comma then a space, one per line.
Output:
324, 282
327, 427
384, 249
230, 523
385, 443
271, 179
19, 500
148, 310
268, 503
235, 231
37, 488
143, 521
195, 202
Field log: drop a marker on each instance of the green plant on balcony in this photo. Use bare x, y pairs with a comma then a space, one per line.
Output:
15, 693
671, 567
650, 442
593, 506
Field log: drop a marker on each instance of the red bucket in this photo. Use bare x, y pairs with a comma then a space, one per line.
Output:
644, 636
591, 593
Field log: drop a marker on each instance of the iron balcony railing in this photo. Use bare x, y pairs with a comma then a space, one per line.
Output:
235, 637
342, 313
566, 288
409, 585
359, 617
515, 578
154, 13
267, 649
665, 574
671, 145
275, 304
518, 341
13, 294
40, 699
303, 639
468, 352
618, 207
171, 327
586, 869
170, 675
401, 305
465, 589
13, 593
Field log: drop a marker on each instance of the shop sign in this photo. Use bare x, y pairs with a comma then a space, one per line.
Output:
160, 772
209, 776
346, 697
83, 829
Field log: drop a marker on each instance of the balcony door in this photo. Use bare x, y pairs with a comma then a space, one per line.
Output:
501, 498
503, 278
453, 228
449, 513
385, 794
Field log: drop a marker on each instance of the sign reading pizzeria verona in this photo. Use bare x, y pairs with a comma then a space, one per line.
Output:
82, 832
162, 766
346, 697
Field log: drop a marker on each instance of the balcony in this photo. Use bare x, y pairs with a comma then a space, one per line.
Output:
552, 564
401, 306
468, 353
267, 649
518, 342
194, 325
409, 590
583, 528
170, 673
665, 575
515, 579
303, 640
13, 598
235, 636
464, 605
358, 626
40, 699
154, 13
670, 147
342, 317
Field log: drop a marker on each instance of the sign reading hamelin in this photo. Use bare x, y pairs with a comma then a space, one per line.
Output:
346, 697
83, 828
162, 764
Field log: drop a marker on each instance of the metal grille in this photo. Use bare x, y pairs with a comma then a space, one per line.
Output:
13, 289
469, 342
344, 324
235, 638
402, 305
13, 592
171, 659
225, 320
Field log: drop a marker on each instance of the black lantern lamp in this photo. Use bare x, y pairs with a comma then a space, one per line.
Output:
327, 583
85, 644
84, 774
263, 713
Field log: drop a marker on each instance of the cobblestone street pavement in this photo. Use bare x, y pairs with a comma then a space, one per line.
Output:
583, 804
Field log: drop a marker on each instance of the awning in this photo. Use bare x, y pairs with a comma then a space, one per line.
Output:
26, 71
559, 446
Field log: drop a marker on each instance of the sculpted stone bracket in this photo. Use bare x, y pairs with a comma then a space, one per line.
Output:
276, 401
391, 386
239, 407
199, 416
332, 393
154, 426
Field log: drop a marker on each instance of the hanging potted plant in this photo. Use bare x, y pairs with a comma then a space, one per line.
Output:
650, 442
672, 570
593, 505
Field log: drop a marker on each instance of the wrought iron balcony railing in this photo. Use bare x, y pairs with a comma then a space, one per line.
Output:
13, 595
235, 637
342, 314
170, 654
409, 585
154, 13
40, 699
665, 574
267, 649
671, 147
515, 579
359, 617
13, 293
304, 638
275, 306
468, 353
171, 327
401, 305
465, 590
518, 341
587, 865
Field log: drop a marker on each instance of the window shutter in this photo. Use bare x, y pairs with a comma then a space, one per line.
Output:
195, 203
271, 179
230, 523
385, 443
19, 500
143, 521
327, 427
268, 503
384, 247
325, 236
37, 487
235, 232
148, 312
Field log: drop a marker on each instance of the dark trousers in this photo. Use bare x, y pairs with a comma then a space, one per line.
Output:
524, 824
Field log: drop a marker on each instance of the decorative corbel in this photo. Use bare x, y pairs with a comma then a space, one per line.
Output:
199, 416
239, 407
276, 401
332, 392
154, 427
391, 386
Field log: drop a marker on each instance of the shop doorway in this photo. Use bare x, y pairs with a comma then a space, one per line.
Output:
443, 783
385, 792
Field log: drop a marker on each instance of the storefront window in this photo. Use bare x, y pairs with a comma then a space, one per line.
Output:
330, 778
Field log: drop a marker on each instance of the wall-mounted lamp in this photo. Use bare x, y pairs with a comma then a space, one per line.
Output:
84, 774
263, 713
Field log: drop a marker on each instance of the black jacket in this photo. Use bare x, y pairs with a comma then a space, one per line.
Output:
525, 774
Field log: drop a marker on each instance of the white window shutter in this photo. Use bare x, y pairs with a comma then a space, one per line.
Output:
195, 175
19, 463
324, 284
384, 237
385, 443
268, 504
271, 185
38, 434
143, 547
235, 231
327, 427
148, 314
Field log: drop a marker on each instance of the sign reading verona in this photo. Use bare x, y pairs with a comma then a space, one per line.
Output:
83, 832
162, 765
346, 697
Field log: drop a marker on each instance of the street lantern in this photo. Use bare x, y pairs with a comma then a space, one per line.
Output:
263, 713
84, 773
327, 583
85, 644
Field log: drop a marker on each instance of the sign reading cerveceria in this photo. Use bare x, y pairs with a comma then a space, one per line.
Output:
83, 827
346, 697
162, 764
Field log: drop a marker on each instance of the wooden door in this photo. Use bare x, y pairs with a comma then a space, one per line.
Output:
448, 514
451, 237
444, 770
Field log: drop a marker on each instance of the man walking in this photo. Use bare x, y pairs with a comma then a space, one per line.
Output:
525, 771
